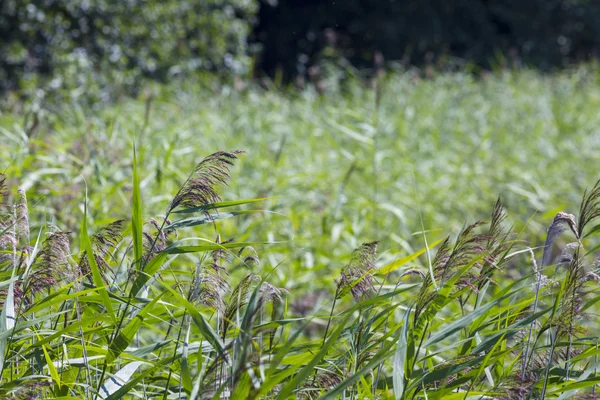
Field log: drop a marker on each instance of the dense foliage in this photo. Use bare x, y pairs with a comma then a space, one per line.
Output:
162, 271
130, 315
87, 44
100, 47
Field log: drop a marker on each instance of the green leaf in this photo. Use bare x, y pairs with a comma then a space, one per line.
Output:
592, 231
578, 385
508, 332
245, 334
206, 330
404, 260
177, 248
309, 368
207, 219
222, 204
273, 378
460, 323
29, 323
125, 336
186, 376
569, 394
86, 244
400, 358
7, 321
137, 223
51, 367
377, 359
149, 270
120, 383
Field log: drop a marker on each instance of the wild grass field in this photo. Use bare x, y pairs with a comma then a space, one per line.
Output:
144, 256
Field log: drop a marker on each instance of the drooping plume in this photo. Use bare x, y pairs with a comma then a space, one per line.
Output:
51, 264
199, 189
356, 277
589, 209
103, 241
561, 221
22, 223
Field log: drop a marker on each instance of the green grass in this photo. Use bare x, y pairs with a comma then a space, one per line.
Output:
266, 297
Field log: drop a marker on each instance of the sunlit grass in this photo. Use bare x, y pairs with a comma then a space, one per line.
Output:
293, 311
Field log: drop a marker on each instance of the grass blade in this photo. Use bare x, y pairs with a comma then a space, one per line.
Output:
118, 380
400, 358
222, 204
136, 215
7, 321
125, 336
86, 244
308, 368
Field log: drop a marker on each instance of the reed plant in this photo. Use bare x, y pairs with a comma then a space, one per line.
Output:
157, 308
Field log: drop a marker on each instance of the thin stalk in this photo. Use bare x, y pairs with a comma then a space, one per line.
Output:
419, 346
374, 155
129, 300
427, 253
595, 370
535, 306
88, 377
328, 325
547, 371
174, 354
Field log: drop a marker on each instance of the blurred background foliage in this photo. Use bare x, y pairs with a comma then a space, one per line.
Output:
109, 44
94, 47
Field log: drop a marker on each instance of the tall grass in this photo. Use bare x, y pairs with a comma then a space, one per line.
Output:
149, 309
323, 269
462, 140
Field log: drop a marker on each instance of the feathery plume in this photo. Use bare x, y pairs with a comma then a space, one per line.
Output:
498, 244
561, 221
22, 223
271, 294
199, 189
324, 380
238, 299
51, 263
250, 259
572, 298
103, 241
356, 277
412, 271
209, 285
589, 209
3, 188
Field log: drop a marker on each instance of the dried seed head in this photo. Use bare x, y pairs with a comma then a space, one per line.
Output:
589, 209
108, 237
51, 264
8, 240
592, 276
239, 298
103, 241
209, 289
497, 246
251, 259
199, 189
566, 256
356, 277
561, 221
270, 293
324, 380
3, 188
413, 272
22, 224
